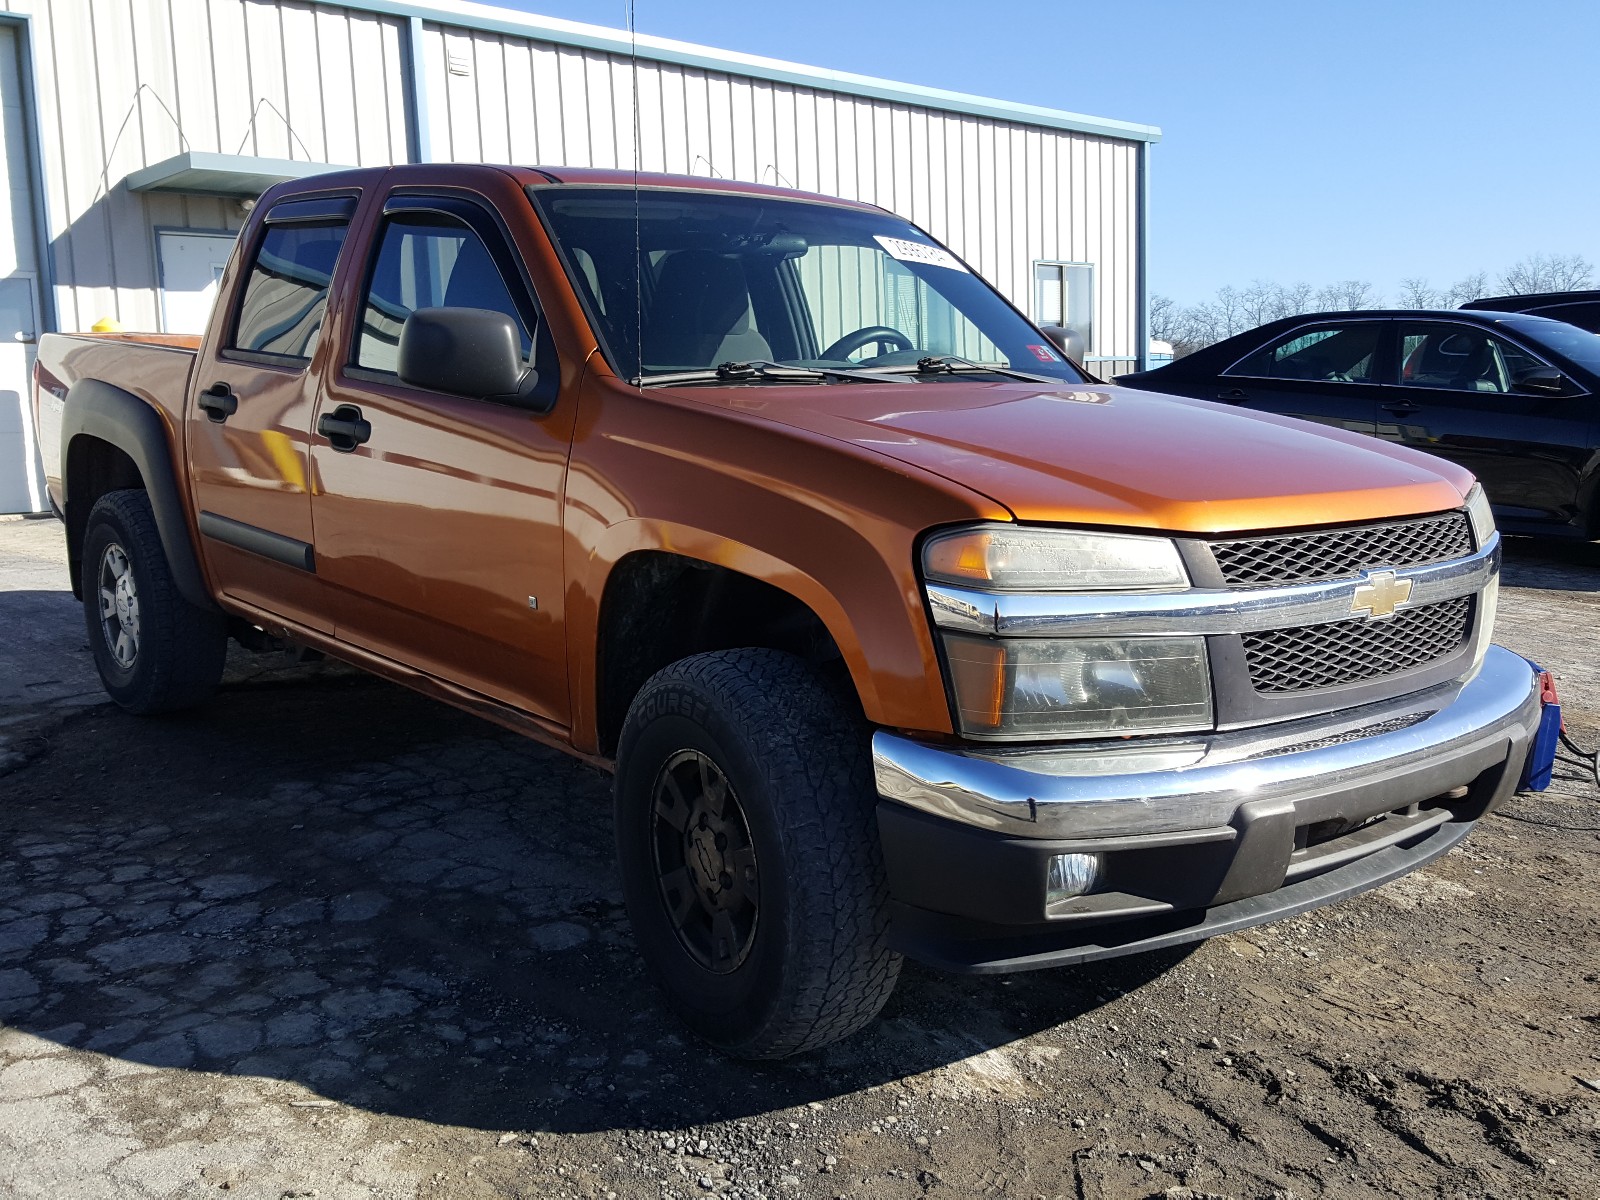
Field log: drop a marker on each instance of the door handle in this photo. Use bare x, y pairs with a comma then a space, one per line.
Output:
344, 427
1233, 394
1401, 408
219, 402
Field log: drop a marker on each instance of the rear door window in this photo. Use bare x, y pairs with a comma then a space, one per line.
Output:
1334, 353
286, 294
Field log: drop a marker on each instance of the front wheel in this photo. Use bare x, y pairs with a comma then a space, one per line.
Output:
155, 651
748, 842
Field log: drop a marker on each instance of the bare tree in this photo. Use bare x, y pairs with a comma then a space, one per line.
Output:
1547, 273
1419, 293
1184, 329
1166, 319
1259, 303
1348, 294
1229, 309
1469, 287
1203, 325
1233, 310
1294, 299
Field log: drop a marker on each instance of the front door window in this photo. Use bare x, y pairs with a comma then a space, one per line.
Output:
1461, 358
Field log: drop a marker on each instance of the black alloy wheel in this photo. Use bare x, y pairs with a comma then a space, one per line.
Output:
747, 838
705, 862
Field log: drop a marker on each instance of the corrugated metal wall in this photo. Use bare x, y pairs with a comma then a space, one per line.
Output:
1002, 195
123, 84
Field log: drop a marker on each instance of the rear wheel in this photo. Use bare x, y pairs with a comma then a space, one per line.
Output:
748, 841
155, 651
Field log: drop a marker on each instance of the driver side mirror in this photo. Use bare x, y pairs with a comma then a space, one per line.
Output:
474, 352
1540, 381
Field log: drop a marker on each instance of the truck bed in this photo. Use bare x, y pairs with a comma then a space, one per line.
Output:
153, 366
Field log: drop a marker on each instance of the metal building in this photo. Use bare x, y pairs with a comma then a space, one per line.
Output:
137, 132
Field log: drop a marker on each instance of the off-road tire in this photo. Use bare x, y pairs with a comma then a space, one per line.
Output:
796, 754
180, 648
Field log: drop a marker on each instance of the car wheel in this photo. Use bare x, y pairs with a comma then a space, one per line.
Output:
748, 842
155, 651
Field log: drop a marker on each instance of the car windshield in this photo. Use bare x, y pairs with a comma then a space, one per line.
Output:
1581, 346
698, 280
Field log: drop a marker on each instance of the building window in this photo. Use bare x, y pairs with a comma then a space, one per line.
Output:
1063, 294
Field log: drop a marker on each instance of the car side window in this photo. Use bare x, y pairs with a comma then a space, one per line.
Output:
1461, 358
427, 261
1343, 353
286, 294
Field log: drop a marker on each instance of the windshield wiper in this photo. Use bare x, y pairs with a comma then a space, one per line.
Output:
949, 364
756, 368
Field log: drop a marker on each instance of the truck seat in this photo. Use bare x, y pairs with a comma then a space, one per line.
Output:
700, 315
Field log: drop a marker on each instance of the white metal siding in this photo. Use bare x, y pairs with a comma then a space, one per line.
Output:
324, 84
290, 79
1002, 195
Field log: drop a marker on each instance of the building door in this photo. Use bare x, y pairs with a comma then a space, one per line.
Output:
191, 270
21, 480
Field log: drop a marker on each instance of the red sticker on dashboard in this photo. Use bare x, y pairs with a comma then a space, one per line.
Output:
1043, 353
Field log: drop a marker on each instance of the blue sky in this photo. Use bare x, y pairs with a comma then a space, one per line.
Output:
1368, 139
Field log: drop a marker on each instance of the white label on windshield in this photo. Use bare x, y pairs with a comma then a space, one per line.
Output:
918, 252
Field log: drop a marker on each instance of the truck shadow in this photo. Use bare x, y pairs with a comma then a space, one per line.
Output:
341, 885
1557, 564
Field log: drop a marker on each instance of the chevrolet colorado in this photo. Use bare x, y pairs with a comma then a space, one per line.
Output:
902, 634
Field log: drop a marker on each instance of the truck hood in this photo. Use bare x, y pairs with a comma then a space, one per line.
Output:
1105, 455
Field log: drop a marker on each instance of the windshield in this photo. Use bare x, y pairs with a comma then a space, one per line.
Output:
1581, 346
706, 279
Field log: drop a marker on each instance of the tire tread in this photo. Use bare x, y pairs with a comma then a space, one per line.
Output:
812, 746
182, 647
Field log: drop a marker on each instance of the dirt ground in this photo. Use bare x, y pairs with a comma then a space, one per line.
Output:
326, 938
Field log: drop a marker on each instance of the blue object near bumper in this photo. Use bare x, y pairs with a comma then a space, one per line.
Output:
1547, 737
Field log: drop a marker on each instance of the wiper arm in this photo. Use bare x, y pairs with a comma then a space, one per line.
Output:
940, 364
753, 369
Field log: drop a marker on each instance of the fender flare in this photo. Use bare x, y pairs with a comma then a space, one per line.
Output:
109, 414
892, 646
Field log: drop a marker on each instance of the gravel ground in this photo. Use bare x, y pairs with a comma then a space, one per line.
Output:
327, 938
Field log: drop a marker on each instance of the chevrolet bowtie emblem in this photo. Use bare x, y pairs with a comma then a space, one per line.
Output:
1380, 594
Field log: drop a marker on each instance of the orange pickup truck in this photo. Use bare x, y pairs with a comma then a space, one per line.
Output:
902, 634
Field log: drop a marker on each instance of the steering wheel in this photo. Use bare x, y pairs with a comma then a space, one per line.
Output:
865, 336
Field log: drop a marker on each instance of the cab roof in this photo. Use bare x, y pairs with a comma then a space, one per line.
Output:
549, 176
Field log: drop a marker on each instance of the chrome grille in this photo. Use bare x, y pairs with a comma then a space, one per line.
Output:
1320, 656
1340, 553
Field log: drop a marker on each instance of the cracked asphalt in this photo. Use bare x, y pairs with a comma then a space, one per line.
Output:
328, 938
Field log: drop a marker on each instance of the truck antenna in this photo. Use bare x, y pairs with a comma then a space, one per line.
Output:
638, 254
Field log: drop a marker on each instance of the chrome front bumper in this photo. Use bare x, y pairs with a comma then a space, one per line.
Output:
1200, 834
1400, 751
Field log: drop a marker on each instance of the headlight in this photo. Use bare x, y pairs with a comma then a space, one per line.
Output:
1011, 558
1481, 517
1078, 687
1488, 608
1480, 514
